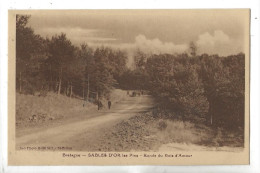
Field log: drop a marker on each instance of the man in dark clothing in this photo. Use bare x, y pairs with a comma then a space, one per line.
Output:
99, 105
109, 104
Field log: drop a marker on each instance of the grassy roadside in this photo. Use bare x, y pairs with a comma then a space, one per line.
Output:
147, 132
36, 111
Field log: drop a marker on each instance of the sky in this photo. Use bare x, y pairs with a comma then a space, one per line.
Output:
220, 32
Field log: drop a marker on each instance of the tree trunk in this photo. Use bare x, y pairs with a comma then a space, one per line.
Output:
60, 81
83, 93
70, 89
97, 97
211, 111
88, 89
51, 82
20, 90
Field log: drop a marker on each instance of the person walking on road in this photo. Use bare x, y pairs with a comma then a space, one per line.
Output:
109, 104
99, 105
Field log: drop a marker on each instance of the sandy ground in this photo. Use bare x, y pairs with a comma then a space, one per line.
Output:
79, 132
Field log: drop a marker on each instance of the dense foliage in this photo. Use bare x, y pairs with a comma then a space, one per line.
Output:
57, 65
204, 86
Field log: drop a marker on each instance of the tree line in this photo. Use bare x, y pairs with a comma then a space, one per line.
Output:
209, 87
55, 64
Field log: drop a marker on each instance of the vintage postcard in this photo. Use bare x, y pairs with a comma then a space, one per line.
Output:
128, 87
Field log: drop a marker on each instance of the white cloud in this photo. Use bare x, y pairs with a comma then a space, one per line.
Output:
157, 46
150, 46
217, 37
154, 46
218, 43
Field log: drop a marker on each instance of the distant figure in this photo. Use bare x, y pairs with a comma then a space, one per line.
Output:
127, 92
109, 104
99, 105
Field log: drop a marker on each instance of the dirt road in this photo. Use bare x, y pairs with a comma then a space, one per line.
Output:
82, 133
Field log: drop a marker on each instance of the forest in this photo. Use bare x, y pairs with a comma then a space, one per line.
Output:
210, 88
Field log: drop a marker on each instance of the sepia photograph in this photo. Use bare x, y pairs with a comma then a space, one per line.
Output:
144, 85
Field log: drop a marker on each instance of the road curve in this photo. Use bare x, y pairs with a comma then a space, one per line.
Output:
78, 134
